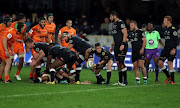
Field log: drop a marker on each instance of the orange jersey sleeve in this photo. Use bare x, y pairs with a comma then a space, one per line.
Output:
11, 35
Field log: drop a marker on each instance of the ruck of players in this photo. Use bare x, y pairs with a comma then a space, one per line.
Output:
63, 60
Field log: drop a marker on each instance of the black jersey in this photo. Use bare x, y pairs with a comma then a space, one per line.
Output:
171, 37
135, 37
59, 51
105, 54
41, 46
79, 44
117, 33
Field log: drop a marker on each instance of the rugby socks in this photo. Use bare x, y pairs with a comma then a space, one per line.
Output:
172, 75
137, 80
124, 71
144, 80
73, 72
78, 70
120, 76
38, 80
108, 75
6, 78
157, 73
147, 70
165, 71
38, 70
30, 75
99, 78
0, 77
17, 72
52, 73
34, 76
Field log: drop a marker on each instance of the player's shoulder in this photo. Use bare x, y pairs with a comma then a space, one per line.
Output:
63, 28
73, 29
13, 24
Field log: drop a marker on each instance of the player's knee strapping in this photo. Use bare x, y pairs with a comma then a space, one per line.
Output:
21, 55
52, 73
38, 70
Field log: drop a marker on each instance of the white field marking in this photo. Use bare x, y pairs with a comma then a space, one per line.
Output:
76, 91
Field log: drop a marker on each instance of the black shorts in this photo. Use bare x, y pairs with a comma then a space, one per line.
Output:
136, 56
120, 55
165, 54
111, 58
69, 59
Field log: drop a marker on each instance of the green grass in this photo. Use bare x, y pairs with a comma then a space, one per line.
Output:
22, 94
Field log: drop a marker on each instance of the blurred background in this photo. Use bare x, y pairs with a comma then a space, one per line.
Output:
91, 17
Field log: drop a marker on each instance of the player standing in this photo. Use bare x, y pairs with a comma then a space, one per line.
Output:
120, 45
138, 41
153, 38
51, 27
169, 51
18, 45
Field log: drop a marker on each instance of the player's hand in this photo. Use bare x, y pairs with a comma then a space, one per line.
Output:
141, 52
33, 63
7, 54
110, 49
121, 47
173, 51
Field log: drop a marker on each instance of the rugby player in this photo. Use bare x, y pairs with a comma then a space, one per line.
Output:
80, 45
153, 38
62, 56
4, 27
18, 44
138, 42
51, 27
120, 45
6, 47
38, 33
169, 51
106, 58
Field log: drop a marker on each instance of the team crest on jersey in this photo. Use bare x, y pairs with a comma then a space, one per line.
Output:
31, 31
70, 41
175, 33
37, 49
9, 35
93, 49
103, 53
123, 26
53, 28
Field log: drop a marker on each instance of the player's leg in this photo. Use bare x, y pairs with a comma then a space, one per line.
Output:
109, 65
54, 65
3, 63
143, 69
171, 68
20, 65
7, 69
162, 59
148, 55
156, 67
136, 71
147, 62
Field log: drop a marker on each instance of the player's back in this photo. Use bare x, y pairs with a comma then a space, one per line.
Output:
3, 29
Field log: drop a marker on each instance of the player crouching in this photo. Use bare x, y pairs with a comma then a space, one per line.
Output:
106, 58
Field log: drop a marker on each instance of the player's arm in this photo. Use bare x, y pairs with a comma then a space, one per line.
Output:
41, 55
87, 54
70, 46
5, 46
53, 38
124, 31
24, 36
59, 38
48, 62
12, 50
47, 39
143, 45
111, 48
176, 42
162, 44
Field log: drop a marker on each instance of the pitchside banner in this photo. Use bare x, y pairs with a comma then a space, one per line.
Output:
128, 60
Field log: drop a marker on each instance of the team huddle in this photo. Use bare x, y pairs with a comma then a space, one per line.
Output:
63, 61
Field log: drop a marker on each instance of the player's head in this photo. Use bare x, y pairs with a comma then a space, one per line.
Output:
150, 26
66, 35
29, 43
19, 26
42, 22
69, 23
98, 47
7, 21
133, 25
50, 17
167, 20
113, 16
143, 27
21, 18
51, 45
